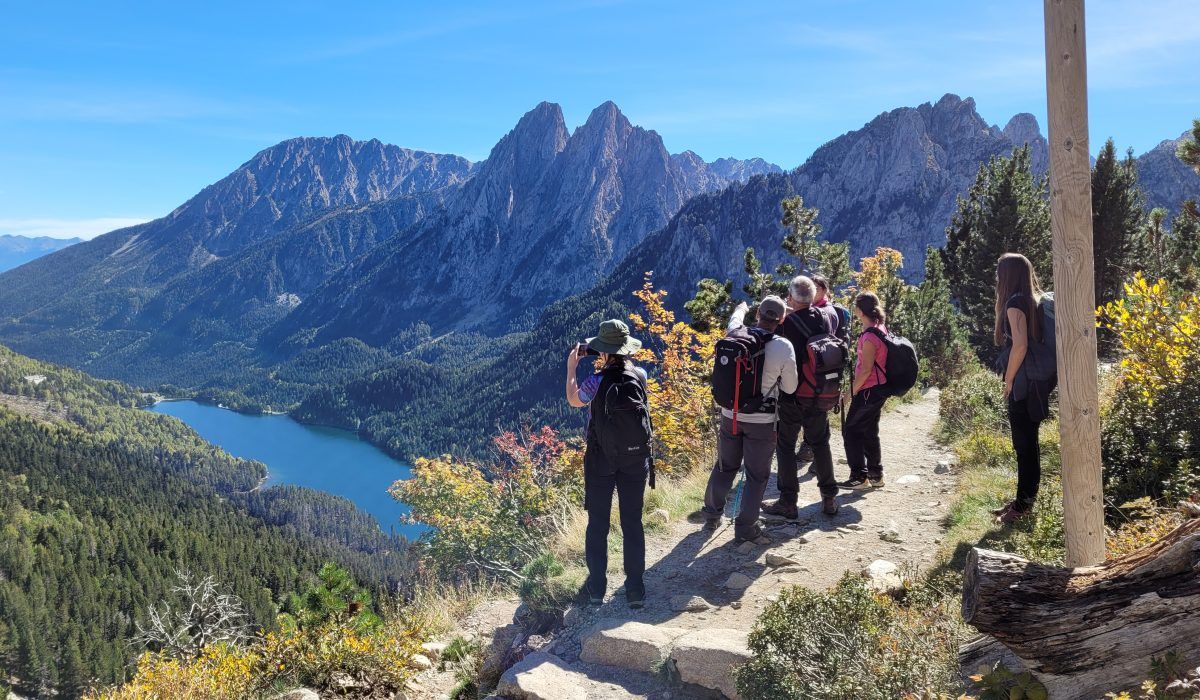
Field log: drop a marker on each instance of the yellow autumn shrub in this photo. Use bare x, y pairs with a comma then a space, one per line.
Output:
681, 403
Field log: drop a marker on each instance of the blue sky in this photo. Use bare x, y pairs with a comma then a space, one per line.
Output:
116, 112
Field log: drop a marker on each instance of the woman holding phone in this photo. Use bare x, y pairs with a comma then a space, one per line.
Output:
615, 396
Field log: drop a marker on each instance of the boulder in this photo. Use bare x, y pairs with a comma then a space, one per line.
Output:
883, 577
659, 515
434, 650
777, 560
738, 581
499, 653
942, 467
708, 657
420, 662
689, 603
542, 676
891, 533
632, 645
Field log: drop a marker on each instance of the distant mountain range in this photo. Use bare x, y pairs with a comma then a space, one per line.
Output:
324, 262
18, 250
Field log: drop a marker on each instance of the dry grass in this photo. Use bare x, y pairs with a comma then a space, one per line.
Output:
437, 607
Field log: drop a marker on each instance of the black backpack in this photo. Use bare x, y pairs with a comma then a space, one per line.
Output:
738, 369
1041, 362
621, 416
843, 329
901, 368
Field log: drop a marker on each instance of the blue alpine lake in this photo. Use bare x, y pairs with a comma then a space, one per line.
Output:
325, 459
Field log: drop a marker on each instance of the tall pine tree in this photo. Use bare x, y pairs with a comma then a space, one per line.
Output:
1006, 210
1189, 148
1117, 217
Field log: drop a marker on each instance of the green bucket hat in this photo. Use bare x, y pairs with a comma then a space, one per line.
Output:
614, 339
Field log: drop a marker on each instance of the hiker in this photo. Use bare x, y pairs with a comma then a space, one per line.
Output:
617, 456
1029, 367
860, 431
804, 326
825, 302
747, 435
841, 330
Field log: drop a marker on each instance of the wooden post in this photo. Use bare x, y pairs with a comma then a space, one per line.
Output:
1074, 295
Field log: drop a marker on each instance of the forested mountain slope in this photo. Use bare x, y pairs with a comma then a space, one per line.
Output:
100, 504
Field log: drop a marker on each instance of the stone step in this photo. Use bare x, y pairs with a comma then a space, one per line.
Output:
543, 676
705, 657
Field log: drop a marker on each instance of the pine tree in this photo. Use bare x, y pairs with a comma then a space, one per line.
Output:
1189, 148
1156, 261
802, 231
1006, 210
1184, 246
1117, 217
933, 324
711, 306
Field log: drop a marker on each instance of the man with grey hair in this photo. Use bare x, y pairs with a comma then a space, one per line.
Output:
797, 413
748, 439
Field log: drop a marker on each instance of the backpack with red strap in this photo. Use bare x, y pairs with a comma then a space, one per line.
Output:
738, 369
823, 361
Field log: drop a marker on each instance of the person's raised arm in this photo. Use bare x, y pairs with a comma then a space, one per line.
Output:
865, 367
572, 379
1020, 346
739, 316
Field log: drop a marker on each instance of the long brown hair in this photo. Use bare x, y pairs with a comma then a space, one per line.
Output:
1015, 275
868, 303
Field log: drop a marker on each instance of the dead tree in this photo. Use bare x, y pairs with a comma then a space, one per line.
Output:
1091, 630
201, 616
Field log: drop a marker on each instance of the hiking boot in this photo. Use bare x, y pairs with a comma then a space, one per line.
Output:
636, 599
586, 597
1011, 515
781, 510
705, 517
829, 505
757, 537
876, 482
1003, 508
804, 453
855, 483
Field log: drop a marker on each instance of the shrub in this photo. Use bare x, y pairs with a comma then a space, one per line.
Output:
848, 643
339, 657
493, 519
546, 587
221, 672
1151, 438
973, 403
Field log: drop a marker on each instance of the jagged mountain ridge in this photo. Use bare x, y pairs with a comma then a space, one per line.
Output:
546, 216
1165, 180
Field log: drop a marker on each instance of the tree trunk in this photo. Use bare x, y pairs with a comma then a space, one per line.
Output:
1091, 630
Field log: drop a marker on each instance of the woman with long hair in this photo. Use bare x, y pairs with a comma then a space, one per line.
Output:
860, 431
1018, 323
602, 473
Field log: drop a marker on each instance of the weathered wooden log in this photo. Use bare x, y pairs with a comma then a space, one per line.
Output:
1091, 630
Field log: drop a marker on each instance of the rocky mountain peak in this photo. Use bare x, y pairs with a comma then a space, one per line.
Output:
1023, 128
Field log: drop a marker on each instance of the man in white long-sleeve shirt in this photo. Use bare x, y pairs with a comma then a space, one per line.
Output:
753, 444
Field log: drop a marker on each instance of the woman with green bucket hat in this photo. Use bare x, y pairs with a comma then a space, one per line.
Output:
617, 457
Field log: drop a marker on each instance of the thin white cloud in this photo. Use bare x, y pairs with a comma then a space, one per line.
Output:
67, 228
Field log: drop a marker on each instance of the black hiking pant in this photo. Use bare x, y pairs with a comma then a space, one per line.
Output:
1025, 424
860, 434
601, 478
796, 415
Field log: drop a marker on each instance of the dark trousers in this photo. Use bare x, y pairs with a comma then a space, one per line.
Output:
752, 446
1029, 459
795, 416
629, 482
860, 435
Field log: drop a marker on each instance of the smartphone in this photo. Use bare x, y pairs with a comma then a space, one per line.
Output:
583, 350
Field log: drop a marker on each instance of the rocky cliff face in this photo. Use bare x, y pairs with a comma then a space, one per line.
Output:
546, 216
1164, 179
895, 181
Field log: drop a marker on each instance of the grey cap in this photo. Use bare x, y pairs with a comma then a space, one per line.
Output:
771, 308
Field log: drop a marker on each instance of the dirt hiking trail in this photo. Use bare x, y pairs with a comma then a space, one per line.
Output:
704, 591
